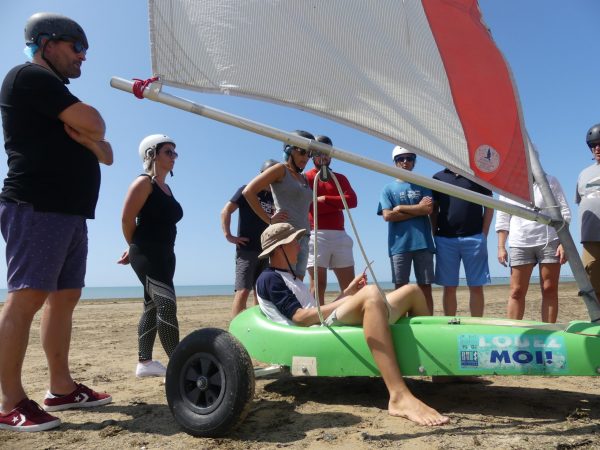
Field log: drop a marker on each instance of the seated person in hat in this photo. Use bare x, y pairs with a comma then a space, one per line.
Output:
285, 299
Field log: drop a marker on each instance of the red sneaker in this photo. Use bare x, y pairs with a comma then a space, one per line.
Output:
82, 397
28, 416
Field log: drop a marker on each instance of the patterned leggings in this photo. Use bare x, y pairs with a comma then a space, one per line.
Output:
154, 265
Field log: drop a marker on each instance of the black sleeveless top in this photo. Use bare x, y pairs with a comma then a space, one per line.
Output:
157, 218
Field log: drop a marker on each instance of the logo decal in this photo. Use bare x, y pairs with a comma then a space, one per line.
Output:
487, 159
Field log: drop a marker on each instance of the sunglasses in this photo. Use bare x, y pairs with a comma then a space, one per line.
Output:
303, 152
77, 46
405, 159
593, 145
171, 153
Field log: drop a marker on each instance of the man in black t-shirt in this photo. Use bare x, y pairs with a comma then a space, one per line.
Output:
247, 242
460, 230
54, 143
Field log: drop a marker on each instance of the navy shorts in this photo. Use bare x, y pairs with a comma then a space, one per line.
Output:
44, 250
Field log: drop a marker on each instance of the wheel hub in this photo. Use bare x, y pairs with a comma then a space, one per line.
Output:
202, 383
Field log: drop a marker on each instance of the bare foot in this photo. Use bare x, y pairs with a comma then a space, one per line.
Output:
413, 409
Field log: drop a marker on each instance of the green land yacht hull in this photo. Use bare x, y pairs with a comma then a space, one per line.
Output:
427, 346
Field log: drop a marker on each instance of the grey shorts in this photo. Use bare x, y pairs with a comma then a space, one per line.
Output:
540, 254
422, 261
44, 250
247, 268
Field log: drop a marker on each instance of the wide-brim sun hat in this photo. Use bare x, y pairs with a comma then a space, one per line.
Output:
276, 235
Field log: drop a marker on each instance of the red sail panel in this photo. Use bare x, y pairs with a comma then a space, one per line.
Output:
484, 96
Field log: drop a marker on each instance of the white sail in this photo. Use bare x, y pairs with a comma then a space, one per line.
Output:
423, 74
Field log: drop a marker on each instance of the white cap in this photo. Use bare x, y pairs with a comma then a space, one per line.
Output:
400, 151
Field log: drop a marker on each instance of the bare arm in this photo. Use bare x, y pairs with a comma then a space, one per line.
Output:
226, 213
406, 212
85, 125
488, 215
310, 316
136, 196
502, 254
260, 183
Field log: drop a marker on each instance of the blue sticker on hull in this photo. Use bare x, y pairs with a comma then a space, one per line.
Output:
513, 353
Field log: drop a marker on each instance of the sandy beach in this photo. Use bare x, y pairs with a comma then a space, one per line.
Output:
307, 413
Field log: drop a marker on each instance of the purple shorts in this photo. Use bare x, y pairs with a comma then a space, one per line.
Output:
44, 250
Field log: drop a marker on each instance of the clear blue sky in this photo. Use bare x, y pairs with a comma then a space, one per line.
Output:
551, 46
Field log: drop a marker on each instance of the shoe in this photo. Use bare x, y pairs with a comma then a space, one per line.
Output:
150, 369
82, 397
28, 416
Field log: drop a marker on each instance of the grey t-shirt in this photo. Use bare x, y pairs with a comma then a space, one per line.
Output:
294, 198
588, 199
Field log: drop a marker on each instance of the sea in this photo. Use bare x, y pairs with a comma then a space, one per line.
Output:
122, 292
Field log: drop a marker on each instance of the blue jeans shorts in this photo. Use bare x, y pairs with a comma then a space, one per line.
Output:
472, 250
44, 250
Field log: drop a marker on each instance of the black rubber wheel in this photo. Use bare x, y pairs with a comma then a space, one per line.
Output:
209, 383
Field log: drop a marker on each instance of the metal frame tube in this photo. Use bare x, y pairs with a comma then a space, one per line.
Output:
153, 92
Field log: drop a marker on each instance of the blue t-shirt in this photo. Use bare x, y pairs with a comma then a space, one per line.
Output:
412, 234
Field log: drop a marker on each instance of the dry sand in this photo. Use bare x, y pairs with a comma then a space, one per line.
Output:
304, 413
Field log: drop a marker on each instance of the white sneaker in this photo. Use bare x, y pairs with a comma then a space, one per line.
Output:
150, 369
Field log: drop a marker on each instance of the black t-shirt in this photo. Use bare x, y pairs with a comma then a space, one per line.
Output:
249, 224
458, 217
45, 166
156, 221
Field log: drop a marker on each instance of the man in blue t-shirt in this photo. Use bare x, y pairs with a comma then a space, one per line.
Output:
460, 229
283, 298
247, 242
406, 207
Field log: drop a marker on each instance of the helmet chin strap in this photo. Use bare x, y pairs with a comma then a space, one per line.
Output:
58, 74
296, 168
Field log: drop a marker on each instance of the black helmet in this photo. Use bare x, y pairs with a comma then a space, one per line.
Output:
323, 139
54, 27
287, 148
268, 163
593, 135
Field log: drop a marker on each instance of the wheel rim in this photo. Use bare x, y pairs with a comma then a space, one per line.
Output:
202, 383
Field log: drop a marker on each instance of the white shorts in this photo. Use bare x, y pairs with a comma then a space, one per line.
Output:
334, 247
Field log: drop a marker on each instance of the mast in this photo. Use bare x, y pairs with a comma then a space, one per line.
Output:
562, 229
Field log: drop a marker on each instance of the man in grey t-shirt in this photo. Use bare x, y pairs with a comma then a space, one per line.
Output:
588, 199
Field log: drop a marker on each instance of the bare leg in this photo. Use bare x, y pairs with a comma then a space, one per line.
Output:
239, 301
344, 276
549, 274
449, 300
366, 306
15, 322
55, 330
519, 285
426, 289
322, 272
254, 297
476, 301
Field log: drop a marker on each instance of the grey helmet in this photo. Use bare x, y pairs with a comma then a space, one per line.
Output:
593, 135
54, 27
268, 163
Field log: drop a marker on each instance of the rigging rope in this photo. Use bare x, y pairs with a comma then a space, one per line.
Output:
140, 85
360, 245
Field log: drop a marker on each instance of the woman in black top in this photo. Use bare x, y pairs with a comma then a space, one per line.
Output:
149, 222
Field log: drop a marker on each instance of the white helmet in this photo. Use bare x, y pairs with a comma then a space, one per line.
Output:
148, 145
400, 151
